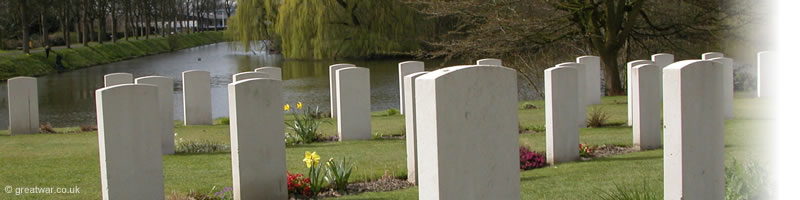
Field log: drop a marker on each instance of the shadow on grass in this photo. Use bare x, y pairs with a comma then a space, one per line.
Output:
531, 178
195, 154
613, 159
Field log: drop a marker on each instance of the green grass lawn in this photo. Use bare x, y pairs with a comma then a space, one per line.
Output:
68, 160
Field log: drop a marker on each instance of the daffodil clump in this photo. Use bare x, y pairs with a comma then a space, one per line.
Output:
336, 173
305, 128
314, 170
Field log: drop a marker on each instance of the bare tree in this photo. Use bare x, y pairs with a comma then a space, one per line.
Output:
569, 28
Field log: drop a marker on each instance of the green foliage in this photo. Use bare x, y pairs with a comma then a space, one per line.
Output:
332, 28
253, 21
223, 121
745, 181
304, 127
629, 193
392, 112
204, 146
597, 118
338, 174
37, 64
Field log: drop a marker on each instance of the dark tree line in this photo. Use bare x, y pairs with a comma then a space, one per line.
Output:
105, 20
536, 34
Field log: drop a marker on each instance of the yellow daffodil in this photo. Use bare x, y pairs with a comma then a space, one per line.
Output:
329, 162
286, 107
311, 158
299, 105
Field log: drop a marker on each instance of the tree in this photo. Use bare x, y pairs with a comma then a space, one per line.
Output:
23, 15
527, 32
331, 28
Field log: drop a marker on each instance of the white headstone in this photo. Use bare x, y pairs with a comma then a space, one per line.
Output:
628, 77
581, 95
710, 55
646, 86
272, 72
411, 126
197, 97
490, 61
694, 148
403, 69
767, 63
332, 77
727, 84
117, 79
23, 105
592, 79
250, 75
467, 123
662, 59
560, 86
353, 105
165, 108
130, 142
258, 152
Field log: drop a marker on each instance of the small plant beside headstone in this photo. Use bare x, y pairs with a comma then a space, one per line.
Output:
597, 118
530, 159
305, 127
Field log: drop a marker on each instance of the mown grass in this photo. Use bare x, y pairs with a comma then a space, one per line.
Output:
37, 63
66, 160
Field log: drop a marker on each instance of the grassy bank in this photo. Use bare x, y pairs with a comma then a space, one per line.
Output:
68, 160
37, 64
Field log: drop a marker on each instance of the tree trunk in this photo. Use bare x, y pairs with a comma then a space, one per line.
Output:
147, 24
85, 23
127, 21
214, 12
65, 23
43, 27
611, 72
187, 18
101, 28
23, 9
113, 22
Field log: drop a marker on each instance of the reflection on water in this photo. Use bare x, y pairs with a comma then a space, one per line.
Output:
67, 99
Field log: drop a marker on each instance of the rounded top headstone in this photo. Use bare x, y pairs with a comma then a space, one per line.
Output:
196, 71
249, 75
711, 55
490, 62
21, 78
447, 70
590, 60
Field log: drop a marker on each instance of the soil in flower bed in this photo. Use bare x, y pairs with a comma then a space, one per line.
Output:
609, 150
386, 183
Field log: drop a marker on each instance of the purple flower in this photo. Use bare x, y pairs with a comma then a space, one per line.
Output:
530, 159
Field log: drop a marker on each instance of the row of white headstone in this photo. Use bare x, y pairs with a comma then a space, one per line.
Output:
257, 130
453, 109
135, 116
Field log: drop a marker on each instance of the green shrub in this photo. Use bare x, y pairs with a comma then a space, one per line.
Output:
223, 121
629, 193
304, 126
392, 112
745, 181
37, 63
742, 182
338, 174
597, 118
205, 146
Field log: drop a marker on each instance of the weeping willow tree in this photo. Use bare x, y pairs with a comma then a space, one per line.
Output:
322, 29
254, 21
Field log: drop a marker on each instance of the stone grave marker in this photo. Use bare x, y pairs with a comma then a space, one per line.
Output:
467, 127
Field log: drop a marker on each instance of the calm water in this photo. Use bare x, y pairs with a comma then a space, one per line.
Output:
67, 99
